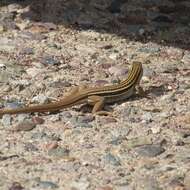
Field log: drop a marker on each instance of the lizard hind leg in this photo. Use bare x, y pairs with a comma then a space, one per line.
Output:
73, 91
76, 89
83, 87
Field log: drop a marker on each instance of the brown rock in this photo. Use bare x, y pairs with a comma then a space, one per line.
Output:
24, 126
105, 188
38, 120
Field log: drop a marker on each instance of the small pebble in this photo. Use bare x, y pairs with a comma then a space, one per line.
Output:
16, 186
48, 60
155, 130
38, 120
42, 99
6, 120
50, 146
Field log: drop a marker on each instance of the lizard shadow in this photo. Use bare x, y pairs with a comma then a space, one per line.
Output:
157, 90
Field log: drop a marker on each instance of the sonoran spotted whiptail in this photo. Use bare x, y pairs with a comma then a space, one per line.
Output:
95, 96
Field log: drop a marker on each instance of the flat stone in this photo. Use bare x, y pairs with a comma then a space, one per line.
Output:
47, 185
150, 150
85, 119
24, 126
59, 152
48, 60
138, 141
38, 120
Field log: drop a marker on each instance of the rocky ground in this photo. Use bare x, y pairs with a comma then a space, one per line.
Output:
46, 47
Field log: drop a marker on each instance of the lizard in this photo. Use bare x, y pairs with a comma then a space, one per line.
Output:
95, 96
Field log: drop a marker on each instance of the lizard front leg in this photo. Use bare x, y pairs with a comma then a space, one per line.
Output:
97, 102
140, 90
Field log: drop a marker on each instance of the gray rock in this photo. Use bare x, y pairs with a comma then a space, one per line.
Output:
47, 185
150, 150
48, 60
85, 125
85, 119
59, 152
111, 159
149, 49
81, 122
13, 105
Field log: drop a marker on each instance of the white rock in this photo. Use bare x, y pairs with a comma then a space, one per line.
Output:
40, 99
